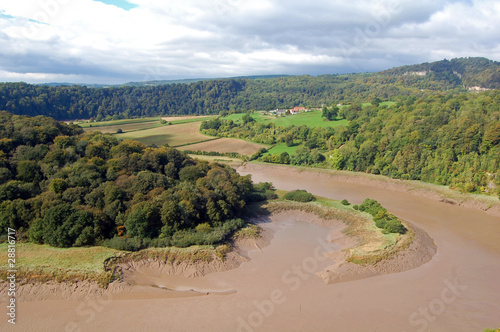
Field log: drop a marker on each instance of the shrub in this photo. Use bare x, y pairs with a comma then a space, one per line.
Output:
299, 196
120, 243
186, 238
203, 228
345, 202
384, 220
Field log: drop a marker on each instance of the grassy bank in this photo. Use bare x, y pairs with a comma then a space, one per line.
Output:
42, 263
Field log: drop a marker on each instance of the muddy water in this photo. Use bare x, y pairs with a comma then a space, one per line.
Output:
458, 290
293, 241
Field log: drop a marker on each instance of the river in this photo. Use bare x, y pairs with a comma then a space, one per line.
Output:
458, 290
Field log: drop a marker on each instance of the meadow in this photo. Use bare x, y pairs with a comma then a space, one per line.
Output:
311, 119
280, 148
87, 124
125, 127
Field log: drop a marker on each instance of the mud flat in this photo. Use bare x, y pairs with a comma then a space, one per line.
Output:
278, 287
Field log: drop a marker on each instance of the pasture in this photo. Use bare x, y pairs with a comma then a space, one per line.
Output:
125, 127
280, 148
311, 119
87, 124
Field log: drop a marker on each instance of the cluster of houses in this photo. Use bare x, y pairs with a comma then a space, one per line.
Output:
292, 111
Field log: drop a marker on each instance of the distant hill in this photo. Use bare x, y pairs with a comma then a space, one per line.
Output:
470, 73
210, 96
194, 80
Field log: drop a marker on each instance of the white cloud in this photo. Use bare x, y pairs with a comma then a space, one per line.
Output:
84, 39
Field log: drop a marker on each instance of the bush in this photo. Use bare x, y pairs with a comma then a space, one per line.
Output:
299, 196
384, 220
345, 202
186, 238
120, 243
135, 243
203, 228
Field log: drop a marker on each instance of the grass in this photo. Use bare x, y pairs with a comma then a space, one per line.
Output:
237, 117
115, 122
126, 128
311, 119
43, 263
281, 147
199, 119
249, 232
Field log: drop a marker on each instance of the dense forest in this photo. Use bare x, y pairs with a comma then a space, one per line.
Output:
63, 187
444, 139
212, 96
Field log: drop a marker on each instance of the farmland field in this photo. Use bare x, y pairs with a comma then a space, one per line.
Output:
216, 158
115, 122
311, 119
186, 119
125, 127
223, 145
281, 147
174, 135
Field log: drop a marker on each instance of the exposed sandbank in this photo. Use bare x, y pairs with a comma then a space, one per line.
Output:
141, 278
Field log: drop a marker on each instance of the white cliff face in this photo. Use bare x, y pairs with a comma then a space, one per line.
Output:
478, 88
417, 73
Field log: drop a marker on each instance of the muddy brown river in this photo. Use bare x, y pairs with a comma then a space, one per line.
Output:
458, 290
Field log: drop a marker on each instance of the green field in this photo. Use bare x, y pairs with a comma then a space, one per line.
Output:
125, 127
192, 120
237, 117
115, 122
311, 119
280, 148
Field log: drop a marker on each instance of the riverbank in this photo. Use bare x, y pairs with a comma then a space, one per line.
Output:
362, 252
489, 204
465, 269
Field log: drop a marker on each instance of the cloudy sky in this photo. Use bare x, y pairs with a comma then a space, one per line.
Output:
117, 41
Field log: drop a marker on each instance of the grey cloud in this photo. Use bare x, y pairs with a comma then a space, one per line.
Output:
340, 34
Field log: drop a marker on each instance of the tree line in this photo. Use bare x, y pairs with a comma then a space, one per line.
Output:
64, 187
213, 96
444, 139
